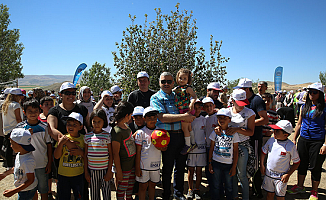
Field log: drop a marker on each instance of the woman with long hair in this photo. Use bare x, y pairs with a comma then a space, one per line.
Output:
311, 144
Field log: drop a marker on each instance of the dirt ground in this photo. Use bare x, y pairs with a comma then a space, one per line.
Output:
7, 183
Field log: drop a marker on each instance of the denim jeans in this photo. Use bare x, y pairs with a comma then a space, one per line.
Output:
241, 175
27, 195
208, 175
221, 171
172, 158
66, 184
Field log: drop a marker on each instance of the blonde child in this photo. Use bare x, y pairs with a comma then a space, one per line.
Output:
185, 101
124, 150
98, 156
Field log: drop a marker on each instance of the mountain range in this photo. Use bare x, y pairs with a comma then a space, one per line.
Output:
44, 80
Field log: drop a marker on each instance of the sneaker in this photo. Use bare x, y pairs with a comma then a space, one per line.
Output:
314, 195
296, 189
197, 194
190, 194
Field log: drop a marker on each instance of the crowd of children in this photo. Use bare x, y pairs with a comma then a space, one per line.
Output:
217, 141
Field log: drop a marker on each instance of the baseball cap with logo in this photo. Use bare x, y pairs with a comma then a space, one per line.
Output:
285, 125
67, 85
150, 109
317, 86
224, 112
207, 100
75, 116
138, 110
115, 89
22, 137
142, 74
244, 83
16, 91
214, 86
106, 92
239, 96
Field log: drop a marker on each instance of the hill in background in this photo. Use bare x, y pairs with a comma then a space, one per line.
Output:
43, 80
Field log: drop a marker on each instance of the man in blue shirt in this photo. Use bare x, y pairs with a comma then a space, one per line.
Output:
169, 119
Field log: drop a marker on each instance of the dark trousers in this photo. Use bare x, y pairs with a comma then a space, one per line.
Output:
9, 162
66, 184
208, 175
172, 158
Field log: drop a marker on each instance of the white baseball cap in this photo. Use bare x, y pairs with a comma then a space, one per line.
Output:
142, 74
106, 92
75, 116
30, 92
138, 110
7, 91
214, 86
16, 91
22, 137
150, 109
244, 83
115, 89
284, 91
285, 125
317, 86
208, 100
239, 96
67, 85
224, 112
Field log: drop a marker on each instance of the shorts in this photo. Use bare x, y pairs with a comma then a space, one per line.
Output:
42, 178
196, 160
153, 176
274, 185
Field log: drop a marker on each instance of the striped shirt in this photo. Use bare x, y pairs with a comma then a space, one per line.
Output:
98, 151
165, 103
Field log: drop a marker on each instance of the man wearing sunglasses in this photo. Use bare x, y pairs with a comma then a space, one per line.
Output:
170, 120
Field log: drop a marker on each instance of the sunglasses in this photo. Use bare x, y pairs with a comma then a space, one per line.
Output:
69, 93
166, 81
313, 92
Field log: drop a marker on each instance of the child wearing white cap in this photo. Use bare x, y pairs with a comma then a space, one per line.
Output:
280, 151
106, 103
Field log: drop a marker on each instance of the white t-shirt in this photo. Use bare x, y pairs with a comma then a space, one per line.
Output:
280, 153
150, 158
9, 120
211, 123
40, 139
24, 164
241, 120
198, 127
223, 149
109, 114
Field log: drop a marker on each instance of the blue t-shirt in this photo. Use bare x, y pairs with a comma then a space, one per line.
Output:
257, 104
313, 128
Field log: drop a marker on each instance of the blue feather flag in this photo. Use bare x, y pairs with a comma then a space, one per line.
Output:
78, 72
278, 78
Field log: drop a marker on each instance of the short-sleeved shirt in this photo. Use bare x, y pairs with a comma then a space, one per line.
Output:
24, 164
280, 153
40, 139
313, 128
98, 151
273, 118
211, 123
164, 103
109, 114
150, 158
9, 120
127, 147
70, 165
60, 113
257, 104
241, 120
139, 98
198, 127
223, 149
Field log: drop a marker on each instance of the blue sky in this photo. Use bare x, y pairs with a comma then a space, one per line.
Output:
257, 35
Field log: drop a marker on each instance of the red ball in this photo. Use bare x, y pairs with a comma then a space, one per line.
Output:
160, 138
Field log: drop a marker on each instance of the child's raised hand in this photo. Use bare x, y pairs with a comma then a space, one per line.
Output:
63, 140
285, 178
108, 176
8, 193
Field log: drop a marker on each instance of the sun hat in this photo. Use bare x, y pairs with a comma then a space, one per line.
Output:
22, 137
115, 89
214, 86
244, 83
148, 110
16, 91
208, 100
7, 91
317, 86
224, 112
75, 116
66, 85
285, 125
142, 74
138, 110
239, 96
106, 92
